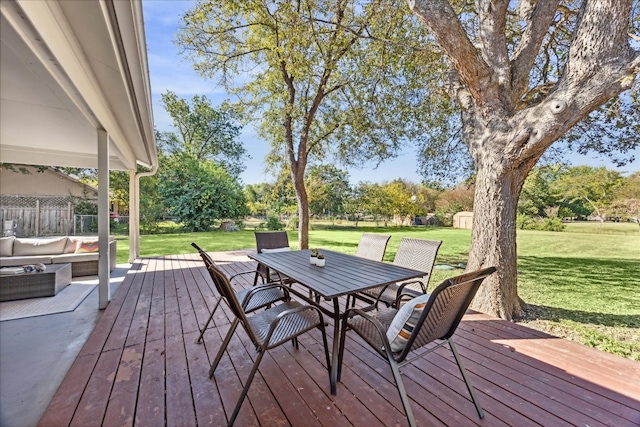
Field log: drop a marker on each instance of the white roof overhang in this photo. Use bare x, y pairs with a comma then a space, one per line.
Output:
68, 69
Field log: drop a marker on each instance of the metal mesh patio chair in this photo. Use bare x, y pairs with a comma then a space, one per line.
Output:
418, 254
372, 246
257, 300
266, 329
394, 333
270, 241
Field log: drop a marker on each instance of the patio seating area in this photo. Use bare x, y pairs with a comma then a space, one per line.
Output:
142, 366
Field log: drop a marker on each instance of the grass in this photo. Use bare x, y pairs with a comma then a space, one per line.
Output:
593, 227
583, 284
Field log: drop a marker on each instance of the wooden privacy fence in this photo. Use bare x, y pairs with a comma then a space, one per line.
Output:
38, 215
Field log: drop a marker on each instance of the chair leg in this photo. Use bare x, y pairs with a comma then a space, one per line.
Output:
343, 333
463, 371
215, 307
223, 347
403, 394
326, 350
245, 390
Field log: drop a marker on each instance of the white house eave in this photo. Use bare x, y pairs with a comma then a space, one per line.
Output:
109, 88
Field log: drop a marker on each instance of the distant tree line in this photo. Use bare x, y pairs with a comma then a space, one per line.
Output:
550, 194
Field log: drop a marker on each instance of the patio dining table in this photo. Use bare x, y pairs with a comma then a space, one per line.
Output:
342, 275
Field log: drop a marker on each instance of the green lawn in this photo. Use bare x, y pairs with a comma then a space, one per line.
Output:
583, 284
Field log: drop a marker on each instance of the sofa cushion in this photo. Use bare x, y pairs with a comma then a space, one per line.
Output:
6, 245
70, 258
29, 247
13, 261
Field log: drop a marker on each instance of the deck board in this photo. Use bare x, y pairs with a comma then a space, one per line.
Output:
141, 366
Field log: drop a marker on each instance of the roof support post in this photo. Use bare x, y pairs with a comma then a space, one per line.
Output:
104, 294
134, 212
134, 217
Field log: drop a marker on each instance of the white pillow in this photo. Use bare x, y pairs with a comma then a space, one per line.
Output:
404, 321
6, 245
268, 251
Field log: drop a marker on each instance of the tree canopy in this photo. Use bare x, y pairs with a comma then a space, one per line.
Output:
200, 163
522, 75
321, 77
203, 132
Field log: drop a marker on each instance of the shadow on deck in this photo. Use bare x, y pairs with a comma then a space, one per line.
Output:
141, 366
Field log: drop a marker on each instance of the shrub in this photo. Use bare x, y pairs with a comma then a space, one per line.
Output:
292, 223
273, 223
442, 219
551, 224
525, 222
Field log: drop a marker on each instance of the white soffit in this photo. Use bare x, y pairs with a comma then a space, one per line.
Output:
67, 69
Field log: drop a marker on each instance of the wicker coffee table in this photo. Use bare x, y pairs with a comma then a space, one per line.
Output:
33, 285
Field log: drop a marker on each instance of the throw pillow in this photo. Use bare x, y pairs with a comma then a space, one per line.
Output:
6, 246
87, 247
72, 245
268, 251
404, 321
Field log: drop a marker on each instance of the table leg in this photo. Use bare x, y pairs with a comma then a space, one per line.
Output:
336, 346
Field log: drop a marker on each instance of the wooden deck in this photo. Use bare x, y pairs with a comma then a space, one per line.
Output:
141, 366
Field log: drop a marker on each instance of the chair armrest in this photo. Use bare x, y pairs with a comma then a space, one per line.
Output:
375, 322
411, 282
353, 311
411, 293
247, 272
262, 288
295, 292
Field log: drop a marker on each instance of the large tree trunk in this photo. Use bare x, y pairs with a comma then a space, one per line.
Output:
507, 125
494, 238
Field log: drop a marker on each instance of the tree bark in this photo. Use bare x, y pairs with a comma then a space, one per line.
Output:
303, 211
494, 237
506, 134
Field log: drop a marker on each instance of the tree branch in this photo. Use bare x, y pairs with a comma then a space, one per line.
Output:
588, 54
536, 25
442, 21
492, 16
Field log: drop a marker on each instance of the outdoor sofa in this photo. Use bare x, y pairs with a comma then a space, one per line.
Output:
80, 252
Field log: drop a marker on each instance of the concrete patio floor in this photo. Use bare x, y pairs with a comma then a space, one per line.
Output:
37, 352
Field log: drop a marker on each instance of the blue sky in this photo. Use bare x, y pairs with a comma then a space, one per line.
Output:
169, 71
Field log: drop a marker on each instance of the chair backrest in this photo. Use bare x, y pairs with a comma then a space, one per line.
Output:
445, 308
271, 240
418, 254
208, 261
226, 291
204, 255
372, 246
